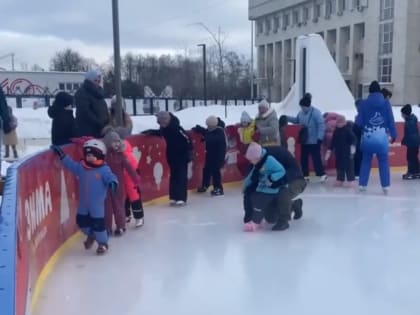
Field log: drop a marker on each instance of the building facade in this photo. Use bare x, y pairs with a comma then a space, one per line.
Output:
368, 39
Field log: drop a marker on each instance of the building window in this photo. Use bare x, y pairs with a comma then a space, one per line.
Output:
347, 63
317, 11
385, 70
295, 17
305, 14
259, 26
276, 23
330, 7
286, 20
386, 38
267, 26
387, 10
69, 86
61, 86
341, 5
361, 60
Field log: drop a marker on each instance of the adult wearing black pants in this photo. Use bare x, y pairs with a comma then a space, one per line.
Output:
296, 184
311, 135
178, 155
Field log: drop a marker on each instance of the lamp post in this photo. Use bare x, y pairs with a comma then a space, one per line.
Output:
117, 61
204, 73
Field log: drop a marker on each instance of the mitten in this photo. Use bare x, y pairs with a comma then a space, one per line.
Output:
327, 155
57, 150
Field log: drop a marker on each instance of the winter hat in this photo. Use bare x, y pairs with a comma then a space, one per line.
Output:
308, 95
63, 99
93, 75
406, 110
110, 138
95, 147
245, 118
264, 104
253, 152
163, 117
305, 101
374, 87
341, 121
122, 132
211, 121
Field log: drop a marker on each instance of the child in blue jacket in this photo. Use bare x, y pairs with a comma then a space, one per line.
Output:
263, 183
411, 140
95, 177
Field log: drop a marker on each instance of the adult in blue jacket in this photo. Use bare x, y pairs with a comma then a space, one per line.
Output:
311, 118
376, 119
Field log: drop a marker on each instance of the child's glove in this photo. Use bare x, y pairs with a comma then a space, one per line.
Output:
352, 149
327, 155
113, 186
57, 150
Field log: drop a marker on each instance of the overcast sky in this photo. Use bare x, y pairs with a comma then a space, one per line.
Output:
34, 30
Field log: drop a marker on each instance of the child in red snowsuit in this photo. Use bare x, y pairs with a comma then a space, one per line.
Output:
133, 202
118, 162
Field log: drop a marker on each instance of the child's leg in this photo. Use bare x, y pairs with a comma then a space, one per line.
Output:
118, 208
206, 176
138, 211
261, 203
127, 207
217, 179
109, 212
350, 170
248, 208
84, 223
15, 154
99, 230
412, 160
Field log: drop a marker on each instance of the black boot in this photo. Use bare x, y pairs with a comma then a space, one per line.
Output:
280, 226
15, 154
297, 209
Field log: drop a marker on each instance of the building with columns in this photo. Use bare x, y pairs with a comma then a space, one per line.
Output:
368, 39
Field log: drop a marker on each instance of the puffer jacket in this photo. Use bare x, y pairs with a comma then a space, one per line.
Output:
246, 134
267, 175
411, 132
268, 128
91, 110
130, 186
314, 121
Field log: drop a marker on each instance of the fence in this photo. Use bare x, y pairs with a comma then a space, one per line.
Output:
133, 105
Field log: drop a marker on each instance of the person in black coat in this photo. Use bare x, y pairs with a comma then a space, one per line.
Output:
343, 144
4, 113
63, 123
411, 140
179, 151
296, 184
91, 109
215, 139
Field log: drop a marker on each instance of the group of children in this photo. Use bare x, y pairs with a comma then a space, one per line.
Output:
109, 187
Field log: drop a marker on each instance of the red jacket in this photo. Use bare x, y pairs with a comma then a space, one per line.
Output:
131, 187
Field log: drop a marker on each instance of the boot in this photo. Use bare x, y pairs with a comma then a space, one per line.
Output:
280, 226
102, 249
297, 209
202, 189
15, 154
90, 240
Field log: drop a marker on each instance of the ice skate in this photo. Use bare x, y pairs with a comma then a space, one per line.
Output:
362, 188
139, 223
297, 209
180, 203
251, 227
217, 192
127, 219
119, 232
102, 249
409, 176
385, 190
280, 226
88, 243
172, 202
202, 189
323, 178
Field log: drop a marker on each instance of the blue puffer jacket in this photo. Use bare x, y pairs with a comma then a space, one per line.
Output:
411, 132
93, 186
313, 120
376, 119
270, 174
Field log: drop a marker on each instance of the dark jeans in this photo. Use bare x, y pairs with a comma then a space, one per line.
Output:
313, 150
413, 160
345, 169
178, 182
210, 172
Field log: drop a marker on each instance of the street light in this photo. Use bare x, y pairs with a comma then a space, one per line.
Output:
117, 62
204, 73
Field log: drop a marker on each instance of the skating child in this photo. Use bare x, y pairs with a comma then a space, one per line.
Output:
118, 162
411, 140
343, 144
263, 184
10, 138
133, 202
95, 177
215, 139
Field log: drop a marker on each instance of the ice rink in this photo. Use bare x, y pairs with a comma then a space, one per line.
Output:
351, 253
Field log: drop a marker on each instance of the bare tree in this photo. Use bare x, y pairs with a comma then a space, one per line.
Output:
68, 60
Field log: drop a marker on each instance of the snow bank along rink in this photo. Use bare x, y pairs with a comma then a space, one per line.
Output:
38, 228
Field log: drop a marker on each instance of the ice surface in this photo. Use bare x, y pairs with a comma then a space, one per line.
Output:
351, 253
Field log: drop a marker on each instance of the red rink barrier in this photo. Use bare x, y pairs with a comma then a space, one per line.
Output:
47, 199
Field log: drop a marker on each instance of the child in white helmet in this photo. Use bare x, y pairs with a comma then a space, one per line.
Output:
95, 177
